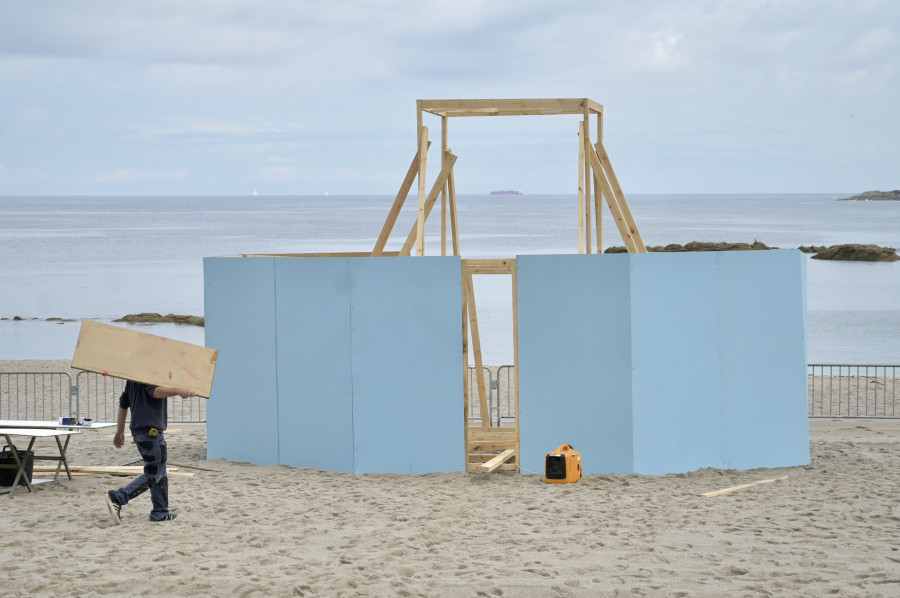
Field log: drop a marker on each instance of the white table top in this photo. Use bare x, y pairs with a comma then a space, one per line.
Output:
36, 432
49, 425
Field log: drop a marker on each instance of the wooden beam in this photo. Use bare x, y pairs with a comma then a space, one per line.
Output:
420, 215
514, 395
445, 151
490, 265
581, 166
587, 185
620, 196
411, 239
741, 487
329, 254
454, 225
509, 107
476, 349
465, 351
628, 238
402, 194
497, 461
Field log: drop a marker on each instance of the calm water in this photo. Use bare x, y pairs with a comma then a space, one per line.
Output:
104, 257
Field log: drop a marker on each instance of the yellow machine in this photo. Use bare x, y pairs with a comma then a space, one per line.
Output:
562, 466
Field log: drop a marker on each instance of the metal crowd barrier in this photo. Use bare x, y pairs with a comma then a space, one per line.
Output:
853, 391
51, 395
835, 391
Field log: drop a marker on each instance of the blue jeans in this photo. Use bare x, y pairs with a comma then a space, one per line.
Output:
154, 478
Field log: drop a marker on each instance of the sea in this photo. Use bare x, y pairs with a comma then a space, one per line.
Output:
70, 258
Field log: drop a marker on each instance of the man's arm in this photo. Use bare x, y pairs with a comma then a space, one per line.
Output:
164, 392
119, 438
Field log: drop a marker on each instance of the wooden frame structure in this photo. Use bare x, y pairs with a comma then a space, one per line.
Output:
596, 180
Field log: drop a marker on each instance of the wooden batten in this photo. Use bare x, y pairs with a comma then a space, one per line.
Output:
497, 461
581, 172
420, 215
603, 157
618, 206
411, 239
587, 184
329, 254
402, 194
509, 107
454, 224
476, 350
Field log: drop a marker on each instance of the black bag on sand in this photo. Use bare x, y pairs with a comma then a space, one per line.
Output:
8, 474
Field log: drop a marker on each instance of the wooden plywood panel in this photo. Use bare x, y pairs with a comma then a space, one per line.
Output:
142, 357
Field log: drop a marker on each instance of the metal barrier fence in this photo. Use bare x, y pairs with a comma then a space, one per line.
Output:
853, 391
846, 391
51, 395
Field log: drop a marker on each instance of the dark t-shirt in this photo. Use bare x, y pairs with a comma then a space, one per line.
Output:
146, 412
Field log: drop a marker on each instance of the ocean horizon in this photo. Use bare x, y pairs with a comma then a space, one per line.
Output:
102, 257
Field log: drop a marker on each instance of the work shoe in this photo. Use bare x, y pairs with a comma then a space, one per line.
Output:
168, 517
114, 508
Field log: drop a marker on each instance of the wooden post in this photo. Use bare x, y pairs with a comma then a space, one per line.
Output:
423, 160
454, 226
620, 196
630, 235
581, 163
587, 183
402, 194
597, 199
444, 156
515, 312
465, 350
429, 204
476, 349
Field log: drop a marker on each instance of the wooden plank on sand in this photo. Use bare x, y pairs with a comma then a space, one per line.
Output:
132, 355
496, 461
736, 488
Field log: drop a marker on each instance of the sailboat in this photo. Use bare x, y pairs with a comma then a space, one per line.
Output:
255, 193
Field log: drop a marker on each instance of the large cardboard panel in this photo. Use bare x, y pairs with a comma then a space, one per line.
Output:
676, 379
575, 359
142, 357
315, 390
239, 307
763, 364
407, 364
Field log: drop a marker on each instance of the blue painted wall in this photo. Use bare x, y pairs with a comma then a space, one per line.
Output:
363, 362
714, 370
575, 384
651, 363
239, 308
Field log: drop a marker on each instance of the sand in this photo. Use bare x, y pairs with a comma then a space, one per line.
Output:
829, 528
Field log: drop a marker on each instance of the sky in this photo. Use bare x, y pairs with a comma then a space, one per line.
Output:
307, 97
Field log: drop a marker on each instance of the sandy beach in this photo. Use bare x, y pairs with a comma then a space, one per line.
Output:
830, 528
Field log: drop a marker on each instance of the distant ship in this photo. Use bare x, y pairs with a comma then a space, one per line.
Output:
507, 192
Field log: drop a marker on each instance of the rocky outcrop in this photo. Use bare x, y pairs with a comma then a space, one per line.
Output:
857, 253
877, 196
698, 246
154, 318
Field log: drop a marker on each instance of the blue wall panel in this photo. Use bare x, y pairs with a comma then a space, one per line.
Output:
574, 359
406, 320
239, 307
677, 400
763, 345
315, 393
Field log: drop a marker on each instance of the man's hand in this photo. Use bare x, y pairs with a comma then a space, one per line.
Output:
119, 439
164, 392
